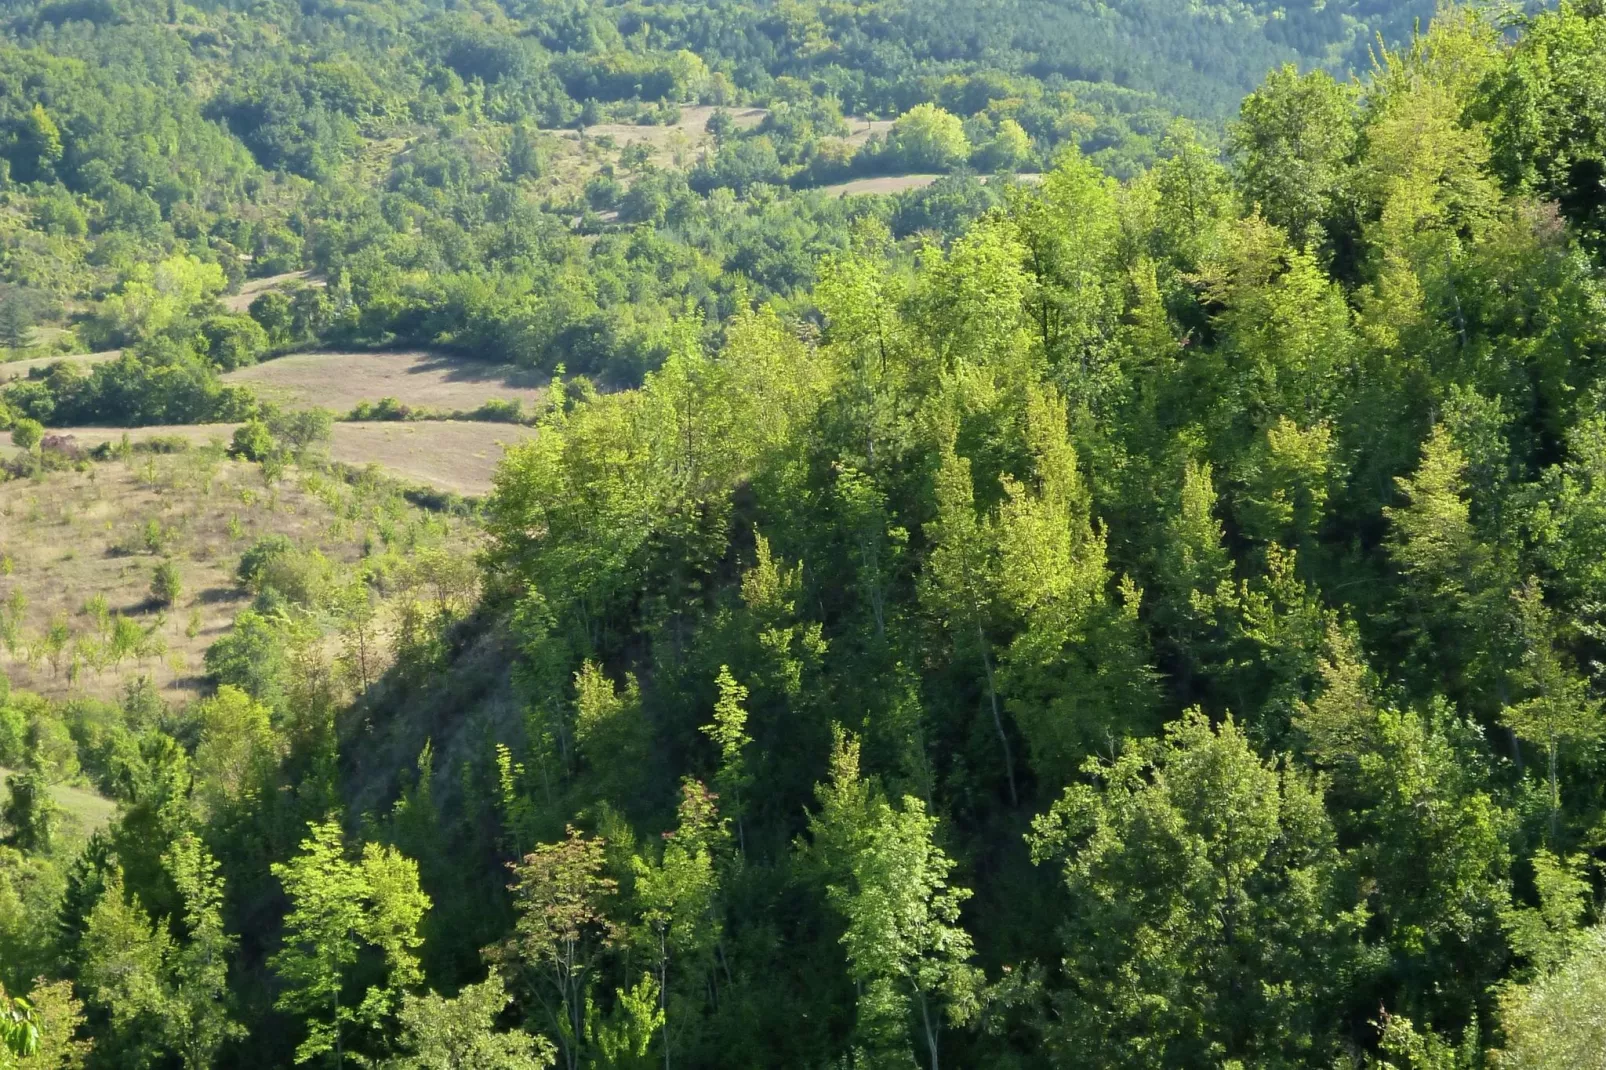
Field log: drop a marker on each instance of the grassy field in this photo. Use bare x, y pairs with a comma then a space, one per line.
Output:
91, 811
73, 535
455, 455
19, 369
899, 183
251, 289
339, 381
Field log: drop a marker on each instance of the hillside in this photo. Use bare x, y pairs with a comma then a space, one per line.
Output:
607, 536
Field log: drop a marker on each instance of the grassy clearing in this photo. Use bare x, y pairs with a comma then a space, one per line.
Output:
251, 289
80, 549
454, 455
87, 809
339, 381
19, 369
899, 183
459, 456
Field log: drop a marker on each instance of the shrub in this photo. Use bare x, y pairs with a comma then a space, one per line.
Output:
26, 434
501, 410
166, 584
252, 441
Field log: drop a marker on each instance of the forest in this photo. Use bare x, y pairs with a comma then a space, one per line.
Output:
1136, 599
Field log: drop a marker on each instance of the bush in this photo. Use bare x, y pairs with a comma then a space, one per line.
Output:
300, 429
273, 564
383, 409
234, 341
252, 441
166, 584
26, 434
501, 410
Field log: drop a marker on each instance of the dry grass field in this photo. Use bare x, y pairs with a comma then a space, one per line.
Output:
691, 132
79, 548
899, 183
338, 381
72, 535
454, 455
19, 369
251, 289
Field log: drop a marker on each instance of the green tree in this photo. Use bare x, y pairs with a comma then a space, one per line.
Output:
16, 323
338, 907
562, 931
1292, 144
1208, 918
728, 730
926, 138
959, 583
30, 814
1551, 1022
435, 1033
165, 990
678, 896
1560, 711
167, 586
26, 434
907, 952
19, 1029
252, 441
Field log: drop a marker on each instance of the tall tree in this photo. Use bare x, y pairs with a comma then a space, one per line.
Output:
563, 929
337, 907
906, 950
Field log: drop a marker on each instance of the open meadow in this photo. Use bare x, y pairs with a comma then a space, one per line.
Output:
339, 380
81, 549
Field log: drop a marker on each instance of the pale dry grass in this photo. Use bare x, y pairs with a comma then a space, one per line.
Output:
899, 183
338, 381
19, 369
454, 455
251, 289
72, 535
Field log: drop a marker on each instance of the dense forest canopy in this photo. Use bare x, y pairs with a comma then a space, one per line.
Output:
1146, 614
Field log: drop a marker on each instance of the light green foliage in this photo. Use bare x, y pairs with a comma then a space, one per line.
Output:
1560, 710
60, 1018
927, 138
1555, 1020
25, 434
165, 985
677, 895
152, 297
1291, 143
1003, 476
1454, 584
1070, 231
1288, 484
252, 441
460, 1034
167, 586
337, 907
610, 729
1547, 934
728, 730
623, 1040
890, 881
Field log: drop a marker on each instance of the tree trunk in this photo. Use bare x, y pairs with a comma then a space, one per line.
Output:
998, 718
